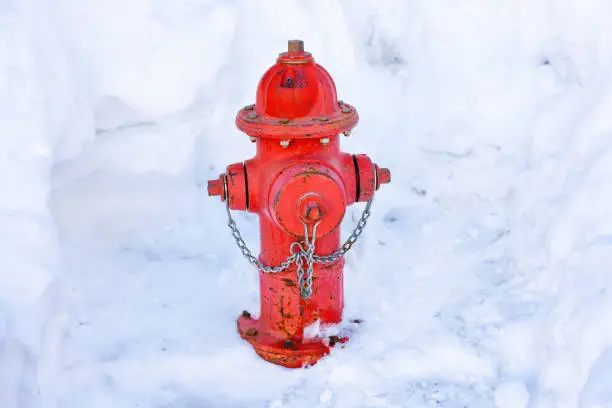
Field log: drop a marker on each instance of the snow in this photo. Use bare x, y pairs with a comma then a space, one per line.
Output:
511, 394
482, 277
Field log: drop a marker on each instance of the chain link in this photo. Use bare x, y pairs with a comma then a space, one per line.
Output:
333, 257
300, 251
305, 282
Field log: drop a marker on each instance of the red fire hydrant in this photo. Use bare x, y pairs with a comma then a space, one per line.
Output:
299, 184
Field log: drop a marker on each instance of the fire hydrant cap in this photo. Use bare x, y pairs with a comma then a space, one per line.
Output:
308, 192
296, 98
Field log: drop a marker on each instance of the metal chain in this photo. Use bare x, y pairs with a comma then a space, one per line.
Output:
305, 283
300, 251
333, 257
243, 246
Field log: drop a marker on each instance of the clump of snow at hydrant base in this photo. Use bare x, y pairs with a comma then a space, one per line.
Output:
316, 330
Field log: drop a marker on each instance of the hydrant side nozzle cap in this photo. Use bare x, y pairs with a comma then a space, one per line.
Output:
383, 176
216, 187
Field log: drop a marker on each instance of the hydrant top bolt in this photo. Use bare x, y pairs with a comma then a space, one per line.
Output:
323, 118
346, 109
296, 46
252, 115
325, 140
249, 107
252, 139
283, 121
284, 143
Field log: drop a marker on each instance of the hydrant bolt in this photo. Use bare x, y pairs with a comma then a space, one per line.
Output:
383, 176
311, 208
284, 143
296, 46
325, 140
215, 188
313, 213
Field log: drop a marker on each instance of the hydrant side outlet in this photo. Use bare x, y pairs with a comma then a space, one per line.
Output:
300, 184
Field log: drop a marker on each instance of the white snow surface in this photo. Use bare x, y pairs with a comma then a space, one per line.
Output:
484, 277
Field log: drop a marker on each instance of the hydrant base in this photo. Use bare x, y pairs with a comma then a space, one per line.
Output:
290, 354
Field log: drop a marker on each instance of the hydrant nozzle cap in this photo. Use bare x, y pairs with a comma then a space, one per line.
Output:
216, 187
384, 175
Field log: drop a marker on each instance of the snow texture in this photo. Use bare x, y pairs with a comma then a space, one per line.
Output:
484, 275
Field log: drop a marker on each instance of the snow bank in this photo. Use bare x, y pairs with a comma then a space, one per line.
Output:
512, 100
560, 211
44, 114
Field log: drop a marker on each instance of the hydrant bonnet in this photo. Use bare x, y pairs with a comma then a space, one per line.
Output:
296, 98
